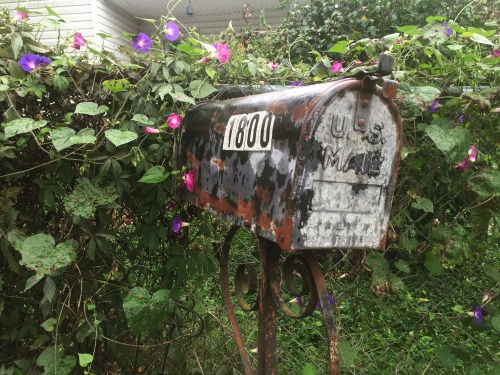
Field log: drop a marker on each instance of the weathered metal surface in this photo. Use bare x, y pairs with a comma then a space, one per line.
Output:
309, 168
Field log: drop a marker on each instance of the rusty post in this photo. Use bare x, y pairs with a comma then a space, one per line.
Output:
267, 310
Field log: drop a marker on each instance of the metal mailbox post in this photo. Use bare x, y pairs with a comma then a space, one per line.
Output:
307, 168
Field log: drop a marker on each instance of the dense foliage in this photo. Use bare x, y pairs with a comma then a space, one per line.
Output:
99, 269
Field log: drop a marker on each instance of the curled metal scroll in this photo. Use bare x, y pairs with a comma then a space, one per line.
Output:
245, 283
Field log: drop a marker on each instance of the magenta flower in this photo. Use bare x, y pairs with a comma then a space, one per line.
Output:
29, 62
296, 83
172, 31
174, 120
21, 15
273, 66
464, 164
204, 60
472, 153
336, 67
141, 42
495, 52
478, 314
190, 180
435, 106
78, 41
223, 53
127, 221
177, 224
487, 296
151, 130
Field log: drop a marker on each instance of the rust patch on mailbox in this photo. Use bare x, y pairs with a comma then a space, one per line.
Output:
246, 210
220, 128
283, 233
193, 160
263, 194
264, 221
218, 163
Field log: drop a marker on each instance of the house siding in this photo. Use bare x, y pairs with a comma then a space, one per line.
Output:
76, 14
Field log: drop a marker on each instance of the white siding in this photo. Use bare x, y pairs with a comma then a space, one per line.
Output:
113, 21
76, 14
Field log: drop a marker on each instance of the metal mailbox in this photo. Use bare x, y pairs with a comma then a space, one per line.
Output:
310, 167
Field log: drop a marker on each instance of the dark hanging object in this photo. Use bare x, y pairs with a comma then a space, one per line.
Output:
190, 10
247, 12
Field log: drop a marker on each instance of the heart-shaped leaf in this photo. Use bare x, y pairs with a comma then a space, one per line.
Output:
143, 119
22, 125
120, 137
90, 108
115, 85
145, 312
40, 253
154, 175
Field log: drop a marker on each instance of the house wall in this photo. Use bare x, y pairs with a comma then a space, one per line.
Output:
88, 17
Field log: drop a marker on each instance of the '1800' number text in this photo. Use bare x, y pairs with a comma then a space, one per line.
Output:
249, 132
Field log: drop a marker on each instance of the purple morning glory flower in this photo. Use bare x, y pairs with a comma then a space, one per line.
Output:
478, 314
461, 118
141, 42
177, 224
296, 83
172, 31
448, 32
29, 62
435, 106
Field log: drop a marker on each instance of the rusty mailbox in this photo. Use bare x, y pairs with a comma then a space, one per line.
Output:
306, 168
309, 168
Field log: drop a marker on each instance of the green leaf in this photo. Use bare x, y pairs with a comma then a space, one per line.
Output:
51, 359
85, 359
200, 89
435, 18
495, 321
378, 264
154, 175
66, 137
49, 289
116, 85
390, 39
445, 356
348, 355
409, 29
402, 265
40, 254
22, 125
32, 281
340, 46
478, 38
455, 47
459, 309
309, 369
486, 183
143, 119
90, 108
423, 204
492, 272
144, 312
182, 97
433, 264
86, 198
16, 44
453, 142
49, 324
61, 83
52, 12
164, 90
35, 46
120, 137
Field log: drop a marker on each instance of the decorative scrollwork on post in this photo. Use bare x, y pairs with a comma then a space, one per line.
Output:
245, 283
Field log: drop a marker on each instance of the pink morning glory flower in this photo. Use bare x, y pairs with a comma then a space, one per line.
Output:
172, 31
435, 106
29, 62
177, 224
495, 52
464, 164
170, 206
336, 67
478, 314
273, 66
223, 53
174, 120
190, 180
472, 152
142, 42
21, 15
204, 60
487, 296
78, 41
151, 130
127, 221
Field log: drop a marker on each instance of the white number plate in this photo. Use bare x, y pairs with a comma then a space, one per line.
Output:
249, 132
